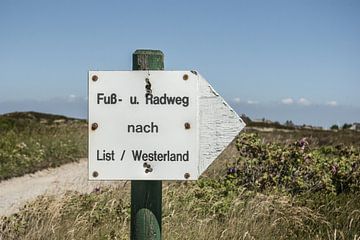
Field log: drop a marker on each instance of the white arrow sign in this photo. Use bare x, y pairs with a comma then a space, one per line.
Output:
155, 125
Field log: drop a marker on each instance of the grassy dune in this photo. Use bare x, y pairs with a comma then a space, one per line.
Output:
33, 141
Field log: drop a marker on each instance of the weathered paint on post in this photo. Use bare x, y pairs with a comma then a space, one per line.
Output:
148, 60
146, 196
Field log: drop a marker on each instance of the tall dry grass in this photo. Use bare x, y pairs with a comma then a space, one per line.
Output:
209, 210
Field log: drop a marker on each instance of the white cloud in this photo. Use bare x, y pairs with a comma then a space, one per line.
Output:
252, 102
287, 101
332, 103
236, 100
304, 102
71, 98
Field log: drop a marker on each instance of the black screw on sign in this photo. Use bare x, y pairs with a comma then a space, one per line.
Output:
94, 78
94, 126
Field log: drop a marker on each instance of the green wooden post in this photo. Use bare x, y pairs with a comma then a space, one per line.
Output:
146, 196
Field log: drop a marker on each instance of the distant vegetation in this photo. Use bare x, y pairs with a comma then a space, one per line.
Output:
334, 127
346, 126
289, 125
32, 141
299, 184
314, 137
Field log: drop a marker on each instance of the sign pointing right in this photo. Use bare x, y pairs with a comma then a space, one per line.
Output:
219, 124
156, 125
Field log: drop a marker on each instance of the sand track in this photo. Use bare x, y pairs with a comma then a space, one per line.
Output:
15, 192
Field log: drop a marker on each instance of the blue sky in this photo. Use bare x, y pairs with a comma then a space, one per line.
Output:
280, 60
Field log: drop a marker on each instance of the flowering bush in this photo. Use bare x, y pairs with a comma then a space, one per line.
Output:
295, 167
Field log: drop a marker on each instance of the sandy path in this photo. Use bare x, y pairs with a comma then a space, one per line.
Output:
15, 192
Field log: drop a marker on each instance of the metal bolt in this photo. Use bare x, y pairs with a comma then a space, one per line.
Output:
95, 174
94, 126
186, 77
148, 170
186, 175
94, 78
187, 125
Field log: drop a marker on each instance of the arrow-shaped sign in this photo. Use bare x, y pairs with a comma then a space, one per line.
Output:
155, 125
219, 124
